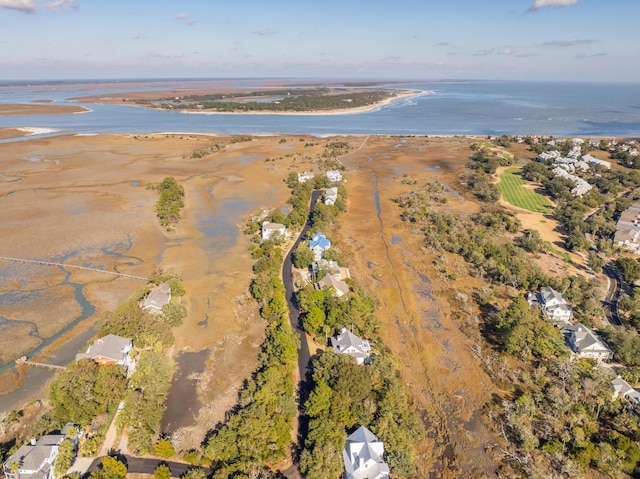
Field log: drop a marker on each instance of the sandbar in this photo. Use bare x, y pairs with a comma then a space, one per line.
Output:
39, 109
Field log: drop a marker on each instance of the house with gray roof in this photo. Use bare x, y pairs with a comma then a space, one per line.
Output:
334, 175
553, 305
110, 349
157, 298
269, 229
622, 389
348, 343
363, 456
338, 286
331, 195
34, 460
628, 229
585, 342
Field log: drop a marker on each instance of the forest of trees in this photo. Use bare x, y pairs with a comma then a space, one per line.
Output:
170, 203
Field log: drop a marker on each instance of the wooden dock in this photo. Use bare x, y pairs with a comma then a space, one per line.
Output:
24, 360
65, 265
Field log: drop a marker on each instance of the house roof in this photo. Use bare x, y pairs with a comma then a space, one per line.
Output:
158, 297
30, 457
363, 456
349, 343
623, 389
272, 226
328, 281
319, 240
109, 346
549, 294
586, 339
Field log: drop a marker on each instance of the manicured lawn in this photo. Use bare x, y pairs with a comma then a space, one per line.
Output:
512, 190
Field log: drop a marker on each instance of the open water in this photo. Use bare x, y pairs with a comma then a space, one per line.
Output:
450, 108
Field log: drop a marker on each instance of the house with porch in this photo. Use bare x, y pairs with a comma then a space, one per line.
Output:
348, 343
334, 175
331, 195
339, 287
110, 349
553, 304
586, 343
156, 299
269, 229
34, 460
623, 390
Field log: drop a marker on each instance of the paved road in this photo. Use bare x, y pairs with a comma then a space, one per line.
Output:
141, 465
613, 295
287, 278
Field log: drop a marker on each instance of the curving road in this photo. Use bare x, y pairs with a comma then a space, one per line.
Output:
613, 295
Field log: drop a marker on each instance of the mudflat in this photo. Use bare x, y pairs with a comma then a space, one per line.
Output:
39, 109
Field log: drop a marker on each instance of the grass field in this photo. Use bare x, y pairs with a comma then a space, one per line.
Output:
512, 190
552, 249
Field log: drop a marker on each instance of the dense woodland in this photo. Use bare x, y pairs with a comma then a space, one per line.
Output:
170, 203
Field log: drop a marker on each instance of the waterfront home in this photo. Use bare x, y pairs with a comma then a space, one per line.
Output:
339, 287
34, 460
552, 303
585, 343
348, 343
269, 229
622, 389
319, 244
362, 456
110, 349
156, 299
330, 196
334, 175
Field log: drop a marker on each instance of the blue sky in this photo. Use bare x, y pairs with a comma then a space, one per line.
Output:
586, 40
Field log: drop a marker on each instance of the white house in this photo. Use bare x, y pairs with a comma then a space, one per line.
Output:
34, 460
269, 229
340, 287
348, 343
552, 303
330, 196
586, 343
157, 299
334, 175
319, 244
362, 456
304, 177
595, 161
622, 389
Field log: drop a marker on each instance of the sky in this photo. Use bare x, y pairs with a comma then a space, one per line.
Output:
555, 40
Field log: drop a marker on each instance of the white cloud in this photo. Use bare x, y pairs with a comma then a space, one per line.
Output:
572, 42
590, 55
264, 31
538, 4
186, 19
483, 53
26, 6
63, 5
507, 51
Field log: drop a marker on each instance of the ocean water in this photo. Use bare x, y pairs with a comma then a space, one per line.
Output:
450, 108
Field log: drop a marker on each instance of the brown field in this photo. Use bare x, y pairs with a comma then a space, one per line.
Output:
82, 200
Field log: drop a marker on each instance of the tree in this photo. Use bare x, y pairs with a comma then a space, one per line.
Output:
64, 459
303, 256
164, 448
111, 468
531, 241
173, 313
629, 267
195, 473
162, 472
